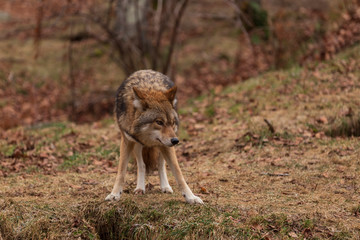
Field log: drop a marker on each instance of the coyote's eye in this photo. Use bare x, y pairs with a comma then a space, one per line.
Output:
159, 122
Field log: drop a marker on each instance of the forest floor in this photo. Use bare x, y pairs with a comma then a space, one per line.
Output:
296, 177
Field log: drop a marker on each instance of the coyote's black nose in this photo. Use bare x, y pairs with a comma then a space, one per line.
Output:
174, 141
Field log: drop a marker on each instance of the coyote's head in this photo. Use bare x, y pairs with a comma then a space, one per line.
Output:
156, 120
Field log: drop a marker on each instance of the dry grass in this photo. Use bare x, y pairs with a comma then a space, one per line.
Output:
295, 183
345, 127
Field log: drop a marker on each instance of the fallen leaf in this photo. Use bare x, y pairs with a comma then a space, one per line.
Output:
199, 126
77, 187
84, 146
257, 227
204, 190
293, 235
322, 120
98, 163
319, 135
247, 148
43, 155
110, 169
18, 153
307, 134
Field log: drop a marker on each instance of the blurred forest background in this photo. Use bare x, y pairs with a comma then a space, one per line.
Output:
65, 59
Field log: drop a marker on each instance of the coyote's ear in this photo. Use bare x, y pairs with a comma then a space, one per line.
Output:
138, 93
170, 95
139, 101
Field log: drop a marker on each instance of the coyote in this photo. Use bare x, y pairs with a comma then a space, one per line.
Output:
145, 109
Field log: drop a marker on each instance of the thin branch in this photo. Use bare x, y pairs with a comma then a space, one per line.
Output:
178, 17
159, 25
241, 13
241, 25
71, 76
122, 43
38, 28
157, 17
140, 32
275, 174
271, 127
128, 63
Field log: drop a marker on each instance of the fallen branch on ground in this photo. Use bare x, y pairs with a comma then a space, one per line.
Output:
275, 174
271, 127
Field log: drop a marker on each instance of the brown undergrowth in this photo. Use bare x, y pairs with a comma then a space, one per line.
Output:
212, 53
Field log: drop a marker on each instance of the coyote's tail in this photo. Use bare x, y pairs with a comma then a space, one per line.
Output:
151, 157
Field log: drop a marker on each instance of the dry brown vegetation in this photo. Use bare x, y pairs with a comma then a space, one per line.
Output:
293, 183
212, 52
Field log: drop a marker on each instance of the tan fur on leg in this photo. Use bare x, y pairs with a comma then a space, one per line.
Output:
170, 157
141, 169
164, 183
126, 148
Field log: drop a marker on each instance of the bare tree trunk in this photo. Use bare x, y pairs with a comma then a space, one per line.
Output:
129, 29
129, 13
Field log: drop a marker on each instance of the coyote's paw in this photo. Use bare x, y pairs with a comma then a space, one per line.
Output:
193, 199
113, 197
139, 191
167, 189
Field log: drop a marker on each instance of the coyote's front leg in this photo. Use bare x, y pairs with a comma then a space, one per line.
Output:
170, 157
164, 183
125, 150
141, 169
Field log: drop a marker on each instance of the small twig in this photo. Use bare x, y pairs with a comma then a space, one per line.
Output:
271, 128
275, 174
